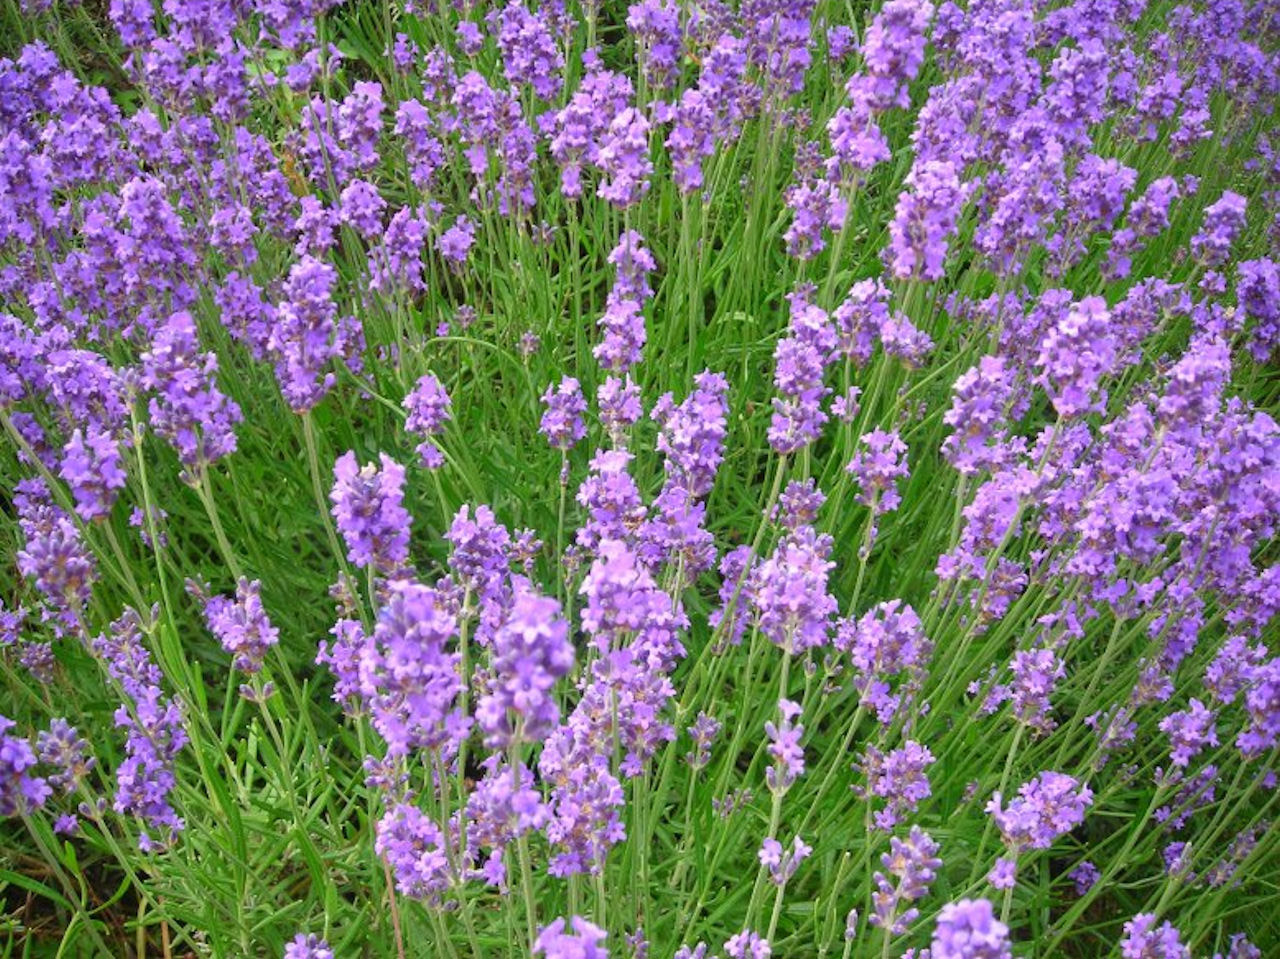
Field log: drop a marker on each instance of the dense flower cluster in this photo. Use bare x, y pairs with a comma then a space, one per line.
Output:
977, 485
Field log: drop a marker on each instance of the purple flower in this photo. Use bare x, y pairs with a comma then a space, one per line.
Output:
54, 555
1035, 673
655, 27
1189, 731
529, 51
914, 864
241, 625
92, 468
978, 416
395, 265
63, 748
361, 207
20, 790
417, 128
1144, 940
502, 807
530, 651
623, 157
692, 435
1223, 223
306, 946
562, 423
703, 732
580, 126
368, 507
454, 243
187, 408
781, 862
877, 468
620, 407
788, 591
968, 929
429, 409
407, 677
924, 220
1004, 874
886, 641
800, 362
1258, 300
816, 204
155, 728
1262, 704
308, 335
784, 747
747, 945
584, 942
1047, 807
413, 846
1084, 877
899, 777
1075, 355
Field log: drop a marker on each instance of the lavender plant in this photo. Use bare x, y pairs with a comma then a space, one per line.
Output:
670, 479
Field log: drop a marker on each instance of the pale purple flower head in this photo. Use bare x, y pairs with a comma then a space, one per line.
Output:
899, 777
92, 467
1189, 730
530, 54
624, 159
307, 946
576, 939
748, 945
1047, 807
910, 866
20, 789
692, 434
1084, 877
429, 409
968, 929
408, 678
1076, 354
308, 335
531, 651
413, 846
924, 220
186, 406
1223, 223
784, 747
454, 243
878, 464
63, 748
1143, 939
788, 591
782, 862
562, 423
368, 508
241, 624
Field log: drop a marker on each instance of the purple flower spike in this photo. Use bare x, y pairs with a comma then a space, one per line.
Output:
429, 410
187, 408
306, 946
531, 650
20, 790
1047, 807
968, 929
562, 423
368, 507
241, 625
583, 942
1144, 940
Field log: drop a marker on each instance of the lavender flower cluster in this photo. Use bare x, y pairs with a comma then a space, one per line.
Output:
753, 469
